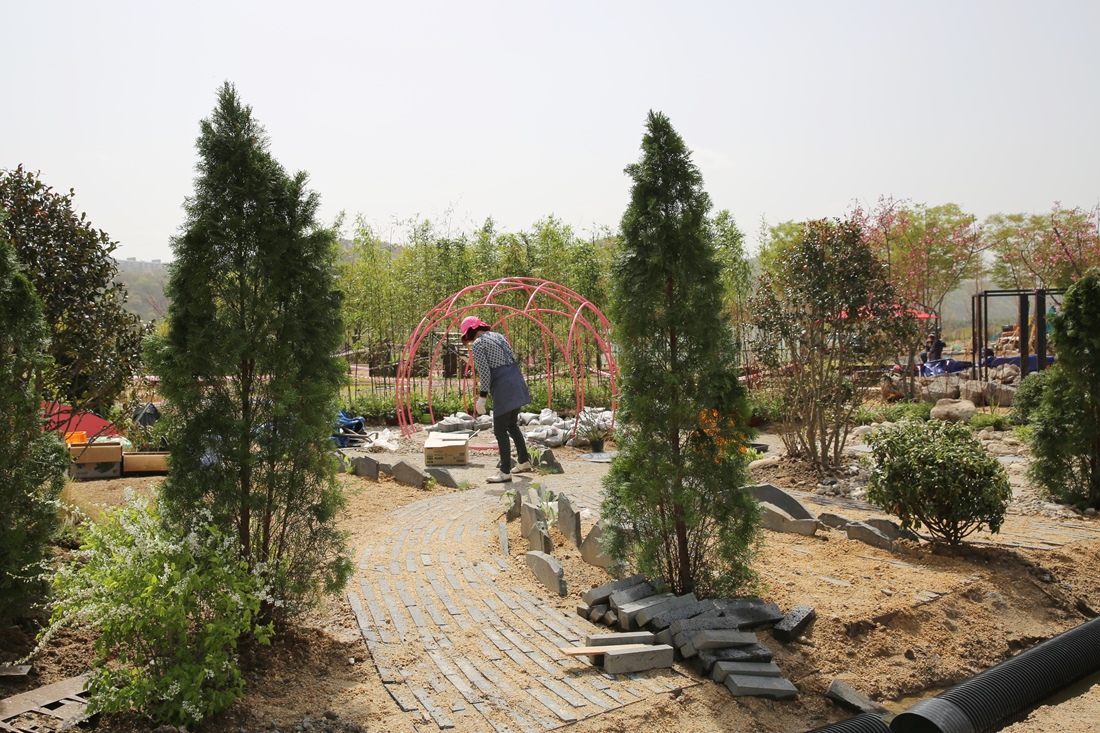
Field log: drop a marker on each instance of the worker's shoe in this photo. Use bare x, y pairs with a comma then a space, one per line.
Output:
524, 467
500, 477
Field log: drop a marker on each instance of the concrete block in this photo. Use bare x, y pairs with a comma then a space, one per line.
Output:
638, 659
755, 669
766, 493
754, 653
849, 698
583, 610
665, 619
502, 532
646, 614
775, 688
611, 618
598, 611
794, 623
631, 594
538, 539
591, 552
385, 468
663, 637
406, 473
548, 571
569, 521
364, 466
689, 626
832, 520
627, 611
592, 596
721, 638
778, 520
633, 637
442, 477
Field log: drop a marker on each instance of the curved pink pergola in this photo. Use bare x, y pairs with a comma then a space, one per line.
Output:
548, 305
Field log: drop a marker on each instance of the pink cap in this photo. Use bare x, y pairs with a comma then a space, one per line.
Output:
469, 324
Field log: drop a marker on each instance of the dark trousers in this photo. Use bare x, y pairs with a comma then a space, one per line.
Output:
506, 425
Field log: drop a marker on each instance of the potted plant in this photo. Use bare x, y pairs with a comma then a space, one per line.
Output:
593, 428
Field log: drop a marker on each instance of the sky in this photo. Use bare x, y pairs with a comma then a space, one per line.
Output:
460, 111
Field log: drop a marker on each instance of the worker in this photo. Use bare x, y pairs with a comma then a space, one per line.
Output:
498, 374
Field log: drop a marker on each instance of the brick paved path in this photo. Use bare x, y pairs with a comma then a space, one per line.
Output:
459, 644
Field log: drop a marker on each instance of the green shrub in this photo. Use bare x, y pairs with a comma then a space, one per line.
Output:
936, 474
169, 610
1028, 396
892, 412
985, 419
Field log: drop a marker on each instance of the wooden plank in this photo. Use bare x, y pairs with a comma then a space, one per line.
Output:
584, 651
18, 704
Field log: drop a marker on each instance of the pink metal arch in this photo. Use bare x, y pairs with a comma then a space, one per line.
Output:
546, 304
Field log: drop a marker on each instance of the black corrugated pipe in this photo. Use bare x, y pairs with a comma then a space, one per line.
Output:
862, 723
1014, 685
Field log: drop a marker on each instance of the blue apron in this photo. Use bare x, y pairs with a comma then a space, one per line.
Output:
508, 388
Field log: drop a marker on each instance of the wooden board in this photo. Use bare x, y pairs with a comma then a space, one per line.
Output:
27, 701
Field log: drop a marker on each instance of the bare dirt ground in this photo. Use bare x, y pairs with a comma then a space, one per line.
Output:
897, 627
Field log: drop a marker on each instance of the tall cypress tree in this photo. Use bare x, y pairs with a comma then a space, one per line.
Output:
32, 463
673, 507
247, 364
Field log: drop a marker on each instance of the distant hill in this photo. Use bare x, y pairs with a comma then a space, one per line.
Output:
145, 283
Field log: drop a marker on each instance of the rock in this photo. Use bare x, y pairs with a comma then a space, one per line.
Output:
515, 508
538, 539
591, 552
847, 697
891, 529
783, 500
832, 520
443, 477
1090, 512
569, 522
547, 417
362, 465
951, 410
764, 462
862, 430
777, 520
1002, 395
997, 448
549, 463
942, 388
975, 390
530, 515
892, 389
548, 571
866, 533
406, 473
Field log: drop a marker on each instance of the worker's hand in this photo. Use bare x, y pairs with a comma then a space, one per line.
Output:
480, 406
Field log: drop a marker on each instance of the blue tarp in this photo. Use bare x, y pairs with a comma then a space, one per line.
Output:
344, 421
942, 366
1032, 361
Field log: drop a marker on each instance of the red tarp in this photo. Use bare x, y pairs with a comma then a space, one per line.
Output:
62, 418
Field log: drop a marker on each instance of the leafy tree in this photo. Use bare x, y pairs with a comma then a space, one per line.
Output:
825, 317
247, 364
32, 463
672, 507
95, 344
937, 474
1049, 251
1065, 438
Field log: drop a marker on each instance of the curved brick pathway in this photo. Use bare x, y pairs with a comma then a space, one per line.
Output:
460, 645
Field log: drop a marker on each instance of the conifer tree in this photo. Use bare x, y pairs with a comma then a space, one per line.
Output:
32, 463
673, 508
248, 364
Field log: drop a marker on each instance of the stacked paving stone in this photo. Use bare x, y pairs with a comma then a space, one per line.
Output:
717, 635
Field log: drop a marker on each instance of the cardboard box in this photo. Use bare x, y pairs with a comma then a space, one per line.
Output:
446, 449
152, 462
95, 460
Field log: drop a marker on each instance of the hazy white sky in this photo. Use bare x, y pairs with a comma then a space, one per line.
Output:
518, 110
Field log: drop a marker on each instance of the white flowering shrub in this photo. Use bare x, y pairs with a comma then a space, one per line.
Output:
170, 610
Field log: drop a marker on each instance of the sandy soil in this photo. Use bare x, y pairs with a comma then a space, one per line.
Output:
897, 627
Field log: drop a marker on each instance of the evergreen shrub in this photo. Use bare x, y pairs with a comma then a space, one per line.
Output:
937, 474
